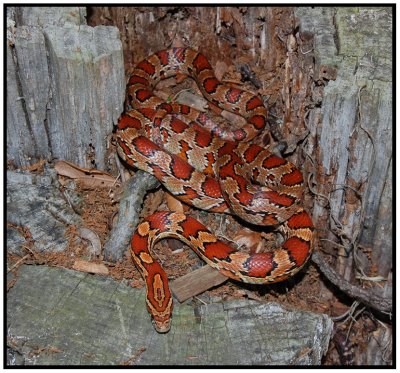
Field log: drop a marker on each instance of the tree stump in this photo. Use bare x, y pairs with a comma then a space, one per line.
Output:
65, 87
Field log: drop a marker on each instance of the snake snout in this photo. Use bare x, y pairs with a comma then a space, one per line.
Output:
162, 326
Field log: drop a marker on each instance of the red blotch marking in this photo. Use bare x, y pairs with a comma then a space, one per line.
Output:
165, 106
209, 170
158, 172
243, 195
211, 84
180, 168
125, 121
190, 194
233, 95
269, 219
251, 153
227, 170
297, 249
279, 199
200, 63
163, 57
273, 161
256, 174
143, 94
184, 109
138, 79
203, 138
191, 227
212, 188
239, 134
144, 146
258, 121
139, 243
147, 112
157, 121
159, 220
292, 178
178, 126
218, 250
253, 103
300, 220
164, 135
155, 269
147, 67
260, 264
124, 147
184, 149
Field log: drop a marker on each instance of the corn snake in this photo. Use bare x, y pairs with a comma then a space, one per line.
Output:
211, 169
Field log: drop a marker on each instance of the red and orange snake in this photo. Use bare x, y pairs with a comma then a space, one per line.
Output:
212, 169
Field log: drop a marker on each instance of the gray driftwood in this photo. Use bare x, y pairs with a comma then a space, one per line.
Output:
77, 318
65, 86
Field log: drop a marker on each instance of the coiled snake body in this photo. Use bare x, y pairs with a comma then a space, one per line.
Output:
212, 169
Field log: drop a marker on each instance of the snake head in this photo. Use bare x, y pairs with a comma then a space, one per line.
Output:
162, 325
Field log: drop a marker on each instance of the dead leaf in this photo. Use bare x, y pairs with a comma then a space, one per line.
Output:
220, 69
38, 166
174, 204
251, 240
90, 177
92, 237
85, 266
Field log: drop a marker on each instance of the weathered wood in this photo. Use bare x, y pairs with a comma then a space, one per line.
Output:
65, 87
196, 282
63, 317
88, 91
45, 16
37, 206
352, 129
128, 215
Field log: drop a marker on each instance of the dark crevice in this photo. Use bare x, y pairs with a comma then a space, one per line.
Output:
336, 33
49, 95
22, 98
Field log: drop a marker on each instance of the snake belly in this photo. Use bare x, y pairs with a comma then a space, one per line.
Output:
212, 169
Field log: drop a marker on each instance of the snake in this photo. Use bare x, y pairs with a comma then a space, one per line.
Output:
212, 168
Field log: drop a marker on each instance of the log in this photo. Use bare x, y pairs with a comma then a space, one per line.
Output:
81, 319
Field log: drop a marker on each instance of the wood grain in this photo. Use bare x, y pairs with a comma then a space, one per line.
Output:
196, 282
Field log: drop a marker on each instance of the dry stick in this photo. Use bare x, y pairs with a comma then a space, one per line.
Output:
128, 217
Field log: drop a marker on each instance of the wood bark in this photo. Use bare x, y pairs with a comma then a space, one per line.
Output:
65, 86
351, 134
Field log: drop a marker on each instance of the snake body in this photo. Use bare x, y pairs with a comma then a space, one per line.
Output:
212, 169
